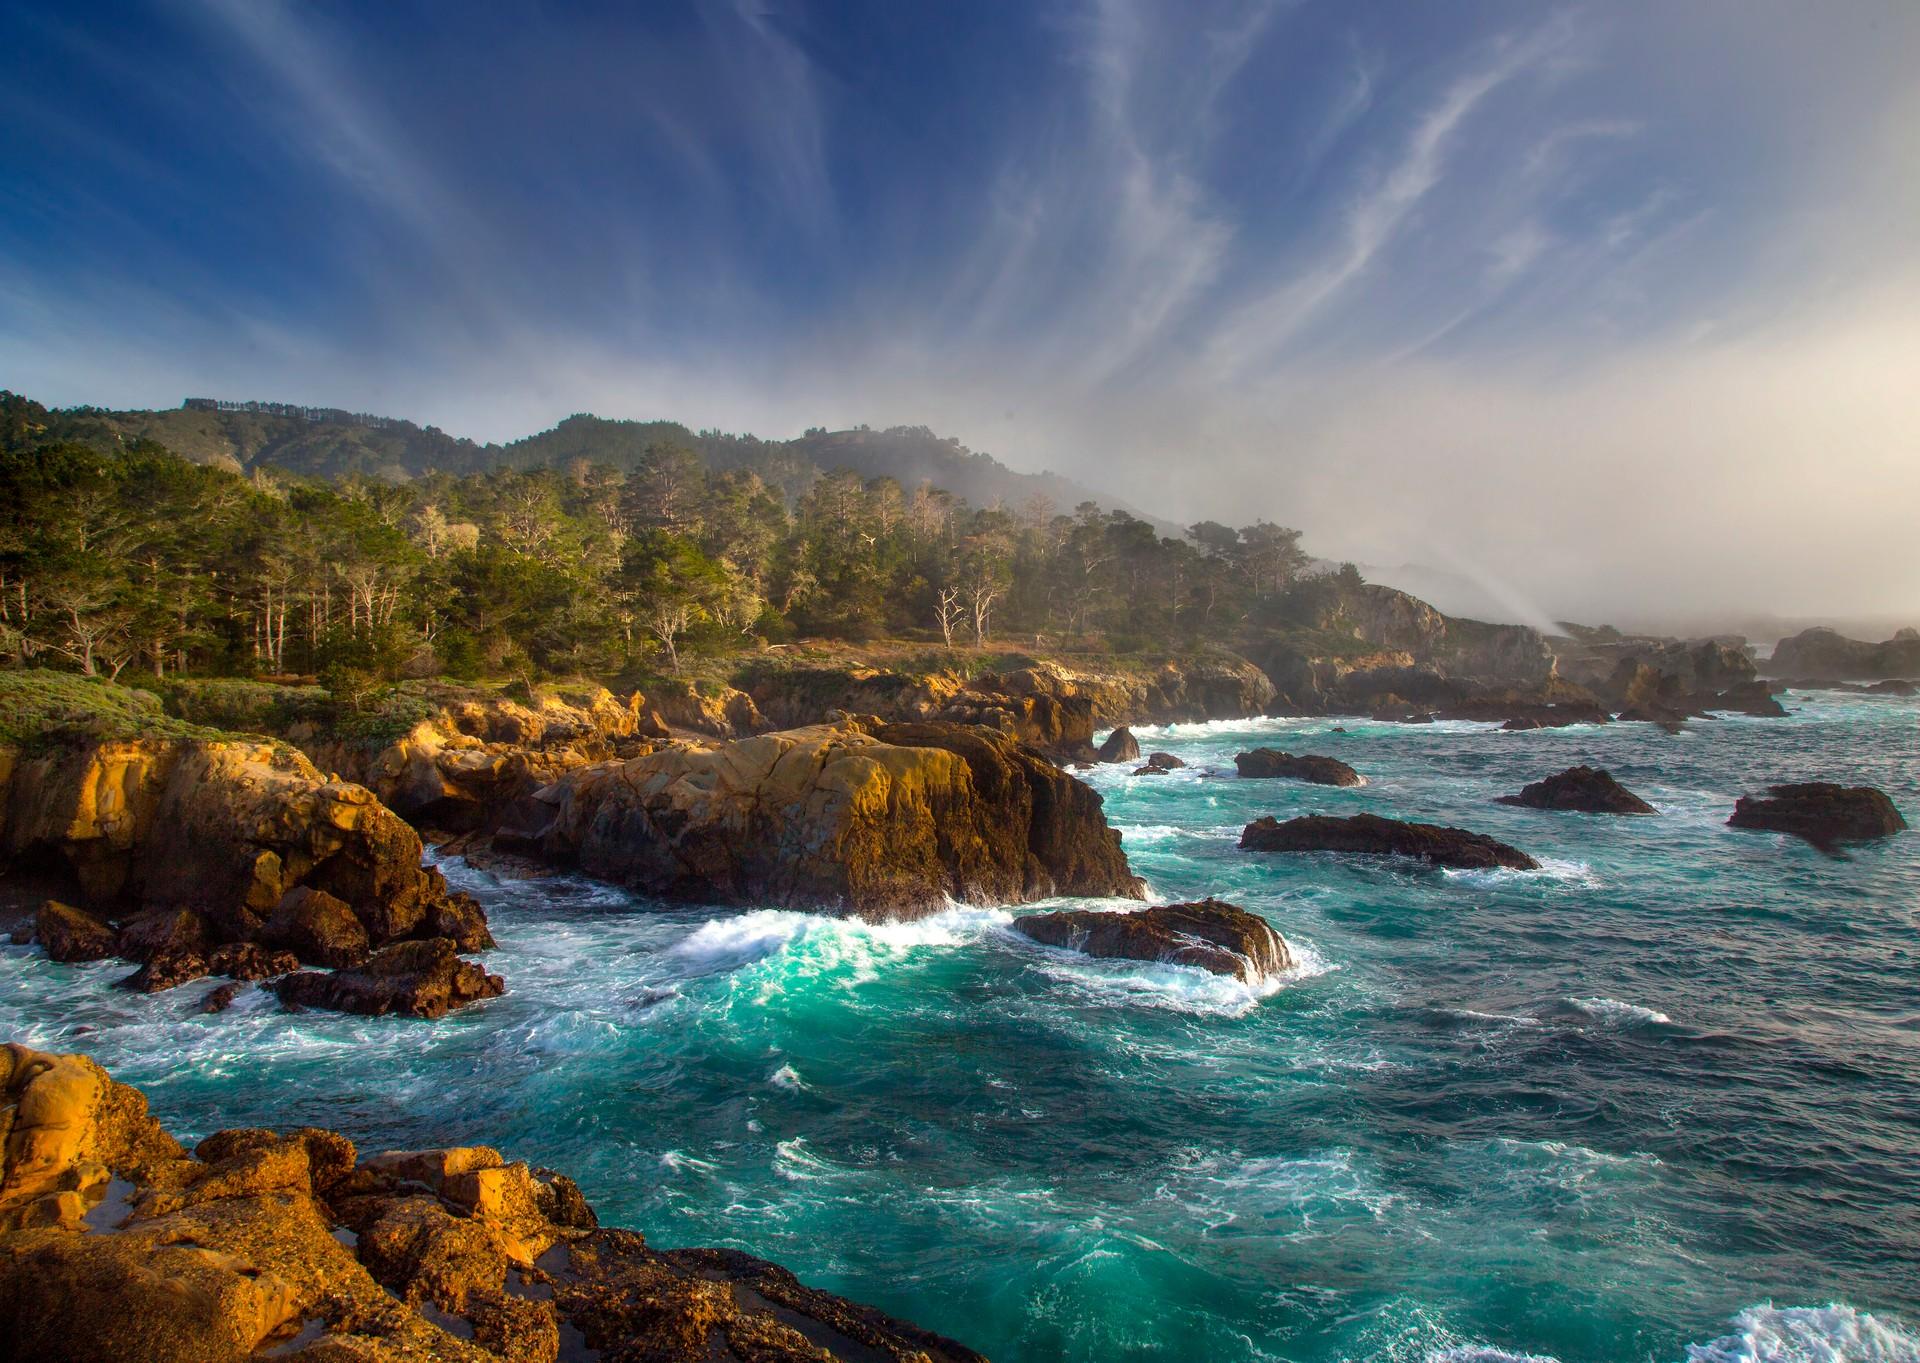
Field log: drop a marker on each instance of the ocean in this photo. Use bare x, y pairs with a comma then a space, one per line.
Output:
1659, 1100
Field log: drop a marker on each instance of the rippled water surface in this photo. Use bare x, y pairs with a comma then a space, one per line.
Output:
1658, 1101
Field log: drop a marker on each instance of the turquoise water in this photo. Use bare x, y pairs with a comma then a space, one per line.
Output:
1659, 1101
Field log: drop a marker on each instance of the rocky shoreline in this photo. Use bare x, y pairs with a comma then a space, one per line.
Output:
119, 1246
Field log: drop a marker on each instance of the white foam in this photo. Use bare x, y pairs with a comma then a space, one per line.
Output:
1550, 868
787, 1077
1835, 1333
1484, 1353
1178, 988
1616, 1012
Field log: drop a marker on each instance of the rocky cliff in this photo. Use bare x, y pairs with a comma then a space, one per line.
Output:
118, 1246
187, 845
1828, 655
865, 817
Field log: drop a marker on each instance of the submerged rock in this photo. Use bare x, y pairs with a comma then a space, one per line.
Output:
1821, 812
117, 1246
880, 820
1210, 934
1372, 835
1121, 746
1263, 763
1581, 790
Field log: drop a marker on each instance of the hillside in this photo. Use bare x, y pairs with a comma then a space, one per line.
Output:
396, 450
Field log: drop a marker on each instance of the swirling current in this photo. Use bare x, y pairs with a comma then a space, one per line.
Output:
1657, 1101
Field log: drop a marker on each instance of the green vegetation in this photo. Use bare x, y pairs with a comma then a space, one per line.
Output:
625, 554
39, 708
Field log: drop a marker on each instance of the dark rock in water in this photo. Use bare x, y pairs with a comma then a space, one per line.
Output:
1210, 934
1671, 720
1150, 770
1826, 653
1121, 746
1582, 790
1372, 835
1263, 763
1166, 761
1748, 698
72, 935
167, 972
1821, 812
220, 999
1399, 715
421, 979
1514, 715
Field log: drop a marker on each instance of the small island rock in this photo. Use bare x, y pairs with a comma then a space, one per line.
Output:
1821, 812
1371, 835
1263, 763
1210, 934
1581, 790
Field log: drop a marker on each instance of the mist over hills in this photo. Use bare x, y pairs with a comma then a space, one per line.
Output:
271, 435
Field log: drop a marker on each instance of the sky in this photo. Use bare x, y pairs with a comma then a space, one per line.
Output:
1611, 310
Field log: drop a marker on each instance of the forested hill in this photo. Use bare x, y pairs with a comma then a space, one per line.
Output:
397, 450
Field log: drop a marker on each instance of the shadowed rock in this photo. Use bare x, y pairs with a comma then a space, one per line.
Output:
1121, 746
1263, 763
1210, 934
421, 979
1581, 790
1371, 835
71, 934
1821, 812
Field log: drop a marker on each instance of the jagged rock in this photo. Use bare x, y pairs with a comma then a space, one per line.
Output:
1166, 761
72, 935
261, 1243
1584, 790
1264, 763
1372, 835
167, 972
1821, 812
1210, 934
1121, 746
862, 817
220, 998
421, 979
250, 961
205, 842
1754, 698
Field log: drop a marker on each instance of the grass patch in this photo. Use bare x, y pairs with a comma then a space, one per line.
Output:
40, 708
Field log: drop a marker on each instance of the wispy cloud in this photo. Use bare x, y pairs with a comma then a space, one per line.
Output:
1255, 332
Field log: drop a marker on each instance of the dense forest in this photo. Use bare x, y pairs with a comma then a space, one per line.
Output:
126, 556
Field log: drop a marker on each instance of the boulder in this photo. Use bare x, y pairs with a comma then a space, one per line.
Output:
1210, 934
880, 820
1372, 835
1165, 761
1821, 812
316, 927
117, 1246
162, 933
1582, 790
420, 979
1120, 746
72, 935
1263, 763
1754, 698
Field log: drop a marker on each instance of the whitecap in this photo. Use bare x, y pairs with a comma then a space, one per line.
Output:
1835, 1333
1550, 868
1177, 988
787, 1077
1485, 1353
1615, 1012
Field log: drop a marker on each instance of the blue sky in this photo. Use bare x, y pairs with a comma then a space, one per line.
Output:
1449, 282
